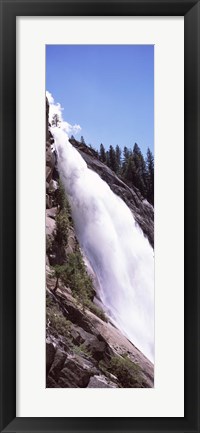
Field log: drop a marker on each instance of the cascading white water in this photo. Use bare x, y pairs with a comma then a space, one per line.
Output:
119, 254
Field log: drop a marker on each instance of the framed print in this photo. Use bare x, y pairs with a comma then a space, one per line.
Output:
92, 92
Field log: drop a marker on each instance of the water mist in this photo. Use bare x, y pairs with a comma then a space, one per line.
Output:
119, 254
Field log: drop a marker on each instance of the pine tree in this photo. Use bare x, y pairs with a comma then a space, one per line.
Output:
150, 176
107, 159
112, 159
102, 153
129, 173
132, 167
140, 166
118, 158
82, 140
126, 155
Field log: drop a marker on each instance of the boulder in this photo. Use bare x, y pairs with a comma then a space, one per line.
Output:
91, 343
51, 213
72, 242
76, 373
53, 186
101, 382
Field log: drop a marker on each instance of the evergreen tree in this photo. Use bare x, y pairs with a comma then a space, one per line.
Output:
129, 172
140, 166
118, 158
82, 140
150, 176
107, 159
132, 167
112, 159
126, 155
102, 153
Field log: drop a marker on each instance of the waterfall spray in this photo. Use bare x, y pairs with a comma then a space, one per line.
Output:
119, 254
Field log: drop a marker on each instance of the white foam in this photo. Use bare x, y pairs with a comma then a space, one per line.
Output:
119, 254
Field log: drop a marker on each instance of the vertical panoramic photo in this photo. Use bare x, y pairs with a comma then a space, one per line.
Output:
100, 216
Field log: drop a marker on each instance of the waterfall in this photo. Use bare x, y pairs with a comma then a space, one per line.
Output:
119, 254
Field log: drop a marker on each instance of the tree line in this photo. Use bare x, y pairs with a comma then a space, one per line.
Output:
130, 165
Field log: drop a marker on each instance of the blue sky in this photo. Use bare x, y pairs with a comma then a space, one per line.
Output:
107, 89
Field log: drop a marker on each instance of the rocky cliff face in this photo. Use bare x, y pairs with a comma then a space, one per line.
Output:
83, 349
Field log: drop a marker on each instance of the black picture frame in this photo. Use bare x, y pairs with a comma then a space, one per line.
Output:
190, 9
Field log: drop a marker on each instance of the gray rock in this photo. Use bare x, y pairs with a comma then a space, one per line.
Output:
51, 213
53, 186
101, 382
91, 343
48, 173
51, 383
57, 365
75, 374
50, 225
50, 354
71, 244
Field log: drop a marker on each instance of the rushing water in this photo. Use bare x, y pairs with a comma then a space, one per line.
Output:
119, 254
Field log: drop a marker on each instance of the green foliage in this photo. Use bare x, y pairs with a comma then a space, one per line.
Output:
73, 274
59, 270
118, 158
61, 199
62, 225
60, 195
81, 349
112, 159
140, 169
49, 244
150, 176
102, 153
62, 217
127, 372
77, 277
56, 319
132, 168
56, 245
96, 310
126, 155
129, 170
